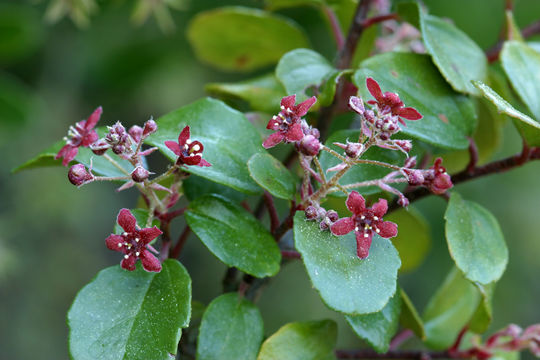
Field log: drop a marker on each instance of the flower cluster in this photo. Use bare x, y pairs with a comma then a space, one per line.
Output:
436, 179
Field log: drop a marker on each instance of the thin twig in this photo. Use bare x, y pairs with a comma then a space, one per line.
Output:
334, 26
528, 31
401, 354
180, 243
274, 218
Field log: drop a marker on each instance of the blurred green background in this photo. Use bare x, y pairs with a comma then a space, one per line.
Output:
52, 234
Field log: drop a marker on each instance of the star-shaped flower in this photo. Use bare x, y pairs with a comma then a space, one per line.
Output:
134, 243
365, 222
287, 124
390, 102
82, 134
189, 152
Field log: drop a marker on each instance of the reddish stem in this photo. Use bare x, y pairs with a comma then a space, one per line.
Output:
473, 154
378, 19
274, 218
180, 243
402, 354
290, 254
528, 31
334, 26
400, 339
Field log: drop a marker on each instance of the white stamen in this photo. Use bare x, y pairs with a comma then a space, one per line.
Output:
362, 217
366, 235
289, 110
137, 253
137, 239
356, 228
282, 107
189, 141
124, 234
126, 256
375, 218
196, 147
129, 246
119, 244
377, 231
186, 146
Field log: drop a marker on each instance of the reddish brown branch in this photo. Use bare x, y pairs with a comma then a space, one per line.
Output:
401, 354
528, 31
334, 26
274, 218
378, 19
180, 243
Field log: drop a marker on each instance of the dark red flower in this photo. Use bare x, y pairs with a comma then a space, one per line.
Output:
287, 124
133, 243
365, 222
82, 134
189, 152
437, 179
390, 102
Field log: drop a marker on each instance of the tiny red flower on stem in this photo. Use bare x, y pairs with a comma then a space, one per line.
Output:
437, 179
189, 152
82, 134
133, 243
390, 102
365, 222
287, 123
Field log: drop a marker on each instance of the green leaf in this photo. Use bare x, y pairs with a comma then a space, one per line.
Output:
521, 64
449, 310
328, 88
301, 341
229, 141
378, 328
22, 31
529, 128
475, 240
245, 39
409, 318
283, 4
100, 165
301, 68
196, 186
413, 240
271, 175
484, 312
141, 215
448, 116
234, 236
359, 172
513, 32
410, 12
130, 315
346, 283
263, 93
458, 58
231, 328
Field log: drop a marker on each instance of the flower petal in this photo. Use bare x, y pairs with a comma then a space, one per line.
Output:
342, 226
294, 133
357, 104
149, 234
288, 101
274, 123
93, 119
273, 140
380, 208
127, 221
409, 113
173, 146
129, 263
149, 261
302, 108
356, 203
363, 243
374, 89
114, 242
387, 229
191, 160
89, 138
184, 136
69, 154
204, 163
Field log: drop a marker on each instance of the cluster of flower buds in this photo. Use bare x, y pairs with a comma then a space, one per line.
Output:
511, 338
436, 179
290, 127
322, 216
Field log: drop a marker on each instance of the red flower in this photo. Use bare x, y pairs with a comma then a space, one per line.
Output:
189, 152
390, 102
82, 134
365, 222
287, 123
436, 179
133, 243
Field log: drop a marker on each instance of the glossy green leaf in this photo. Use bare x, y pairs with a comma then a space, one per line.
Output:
328, 88
100, 165
345, 282
283, 4
229, 141
535, 45
360, 172
239, 38
513, 32
22, 31
263, 93
409, 318
231, 328
448, 116
196, 186
484, 312
378, 328
449, 310
475, 240
529, 128
234, 235
272, 175
130, 315
301, 68
410, 12
301, 341
413, 240
458, 58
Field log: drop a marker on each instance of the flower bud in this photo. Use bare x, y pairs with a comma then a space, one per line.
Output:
415, 177
310, 145
332, 215
405, 145
136, 133
99, 147
139, 174
78, 175
118, 149
441, 183
311, 212
410, 162
149, 127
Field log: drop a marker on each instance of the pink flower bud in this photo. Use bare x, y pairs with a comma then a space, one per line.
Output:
136, 133
78, 175
441, 183
149, 127
405, 145
352, 150
139, 174
410, 162
332, 215
99, 147
311, 213
310, 145
118, 149
415, 177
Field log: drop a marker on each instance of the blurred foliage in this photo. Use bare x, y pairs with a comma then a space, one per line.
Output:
52, 234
